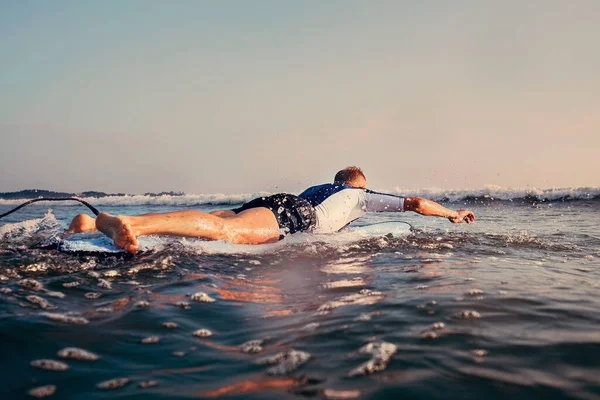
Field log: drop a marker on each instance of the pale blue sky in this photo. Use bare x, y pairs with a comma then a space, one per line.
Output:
239, 96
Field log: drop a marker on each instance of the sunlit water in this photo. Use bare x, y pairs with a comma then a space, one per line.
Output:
506, 307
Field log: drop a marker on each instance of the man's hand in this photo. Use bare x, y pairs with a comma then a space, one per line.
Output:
462, 216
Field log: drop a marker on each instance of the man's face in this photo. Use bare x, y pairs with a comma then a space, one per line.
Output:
358, 182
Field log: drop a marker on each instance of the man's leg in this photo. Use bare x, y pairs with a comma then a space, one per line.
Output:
256, 225
85, 223
82, 223
223, 213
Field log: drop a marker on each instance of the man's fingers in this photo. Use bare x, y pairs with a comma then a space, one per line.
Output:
468, 217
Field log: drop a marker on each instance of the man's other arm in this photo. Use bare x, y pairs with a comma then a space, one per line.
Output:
433, 209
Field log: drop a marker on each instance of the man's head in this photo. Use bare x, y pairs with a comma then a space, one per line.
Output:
351, 176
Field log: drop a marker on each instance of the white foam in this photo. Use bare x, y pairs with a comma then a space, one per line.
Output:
29, 227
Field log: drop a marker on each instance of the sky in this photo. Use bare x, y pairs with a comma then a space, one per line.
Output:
244, 96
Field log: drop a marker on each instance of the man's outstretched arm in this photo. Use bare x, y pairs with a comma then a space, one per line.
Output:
431, 208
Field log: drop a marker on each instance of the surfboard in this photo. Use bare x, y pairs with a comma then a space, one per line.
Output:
97, 243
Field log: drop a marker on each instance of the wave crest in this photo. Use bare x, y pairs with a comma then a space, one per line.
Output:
494, 192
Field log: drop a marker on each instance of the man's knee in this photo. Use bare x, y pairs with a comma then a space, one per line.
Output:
82, 223
223, 213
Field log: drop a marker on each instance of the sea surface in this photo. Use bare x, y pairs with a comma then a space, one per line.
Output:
507, 307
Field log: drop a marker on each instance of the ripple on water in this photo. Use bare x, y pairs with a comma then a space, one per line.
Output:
381, 353
31, 284
150, 340
284, 362
438, 326
363, 297
183, 304
147, 384
42, 391
202, 333
202, 297
468, 314
429, 335
475, 292
252, 346
40, 302
113, 383
50, 365
77, 354
333, 394
67, 319
104, 284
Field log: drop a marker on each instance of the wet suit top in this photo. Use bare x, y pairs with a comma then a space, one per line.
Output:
336, 205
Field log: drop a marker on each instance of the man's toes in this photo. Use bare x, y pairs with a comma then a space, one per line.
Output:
132, 246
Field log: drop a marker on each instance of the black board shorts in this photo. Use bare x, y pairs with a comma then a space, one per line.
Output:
293, 214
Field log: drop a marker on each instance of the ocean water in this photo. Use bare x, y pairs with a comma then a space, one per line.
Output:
506, 307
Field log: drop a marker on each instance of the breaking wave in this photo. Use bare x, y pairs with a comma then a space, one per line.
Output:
493, 192
488, 193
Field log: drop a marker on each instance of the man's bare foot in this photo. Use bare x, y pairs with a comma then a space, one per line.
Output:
118, 229
82, 223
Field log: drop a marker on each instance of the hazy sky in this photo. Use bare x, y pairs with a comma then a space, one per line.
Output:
243, 96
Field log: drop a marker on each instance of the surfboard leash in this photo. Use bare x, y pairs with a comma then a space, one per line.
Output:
85, 203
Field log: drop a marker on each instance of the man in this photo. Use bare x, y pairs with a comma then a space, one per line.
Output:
320, 209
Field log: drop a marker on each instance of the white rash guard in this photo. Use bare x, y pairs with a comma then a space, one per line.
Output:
337, 205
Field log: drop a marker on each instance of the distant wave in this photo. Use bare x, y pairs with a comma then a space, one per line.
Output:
499, 193
161, 199
487, 194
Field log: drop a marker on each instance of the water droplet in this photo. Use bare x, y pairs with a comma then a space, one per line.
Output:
475, 292
429, 335
468, 314
202, 297
150, 340
252, 346
104, 284
147, 384
284, 362
202, 333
